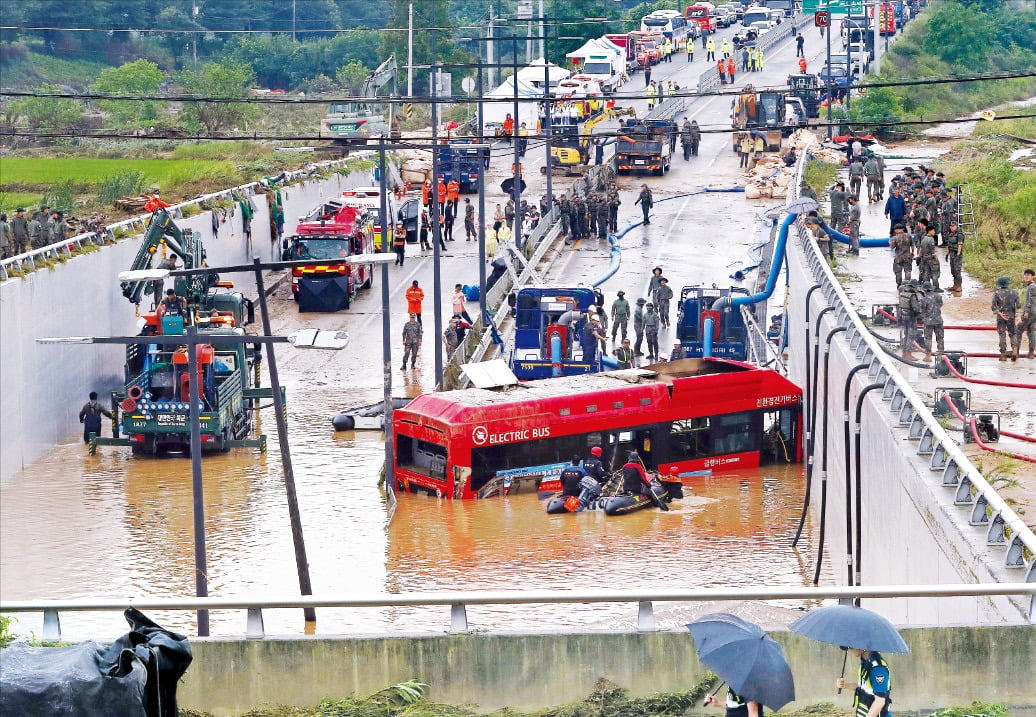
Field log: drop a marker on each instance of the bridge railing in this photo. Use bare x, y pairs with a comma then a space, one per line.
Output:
988, 511
28, 261
458, 602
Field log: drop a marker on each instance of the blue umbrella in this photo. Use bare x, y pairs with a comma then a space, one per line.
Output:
745, 657
850, 627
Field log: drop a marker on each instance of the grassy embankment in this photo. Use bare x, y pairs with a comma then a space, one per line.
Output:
86, 177
948, 40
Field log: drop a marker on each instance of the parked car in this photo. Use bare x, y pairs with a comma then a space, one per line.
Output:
724, 18
839, 76
737, 8
859, 49
761, 27
857, 62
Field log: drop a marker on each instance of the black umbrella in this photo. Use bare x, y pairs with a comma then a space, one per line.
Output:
743, 655
849, 626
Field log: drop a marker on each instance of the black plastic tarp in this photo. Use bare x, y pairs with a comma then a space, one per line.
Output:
323, 294
135, 676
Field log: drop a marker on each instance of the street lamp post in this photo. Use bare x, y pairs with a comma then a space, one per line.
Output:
386, 327
436, 229
481, 200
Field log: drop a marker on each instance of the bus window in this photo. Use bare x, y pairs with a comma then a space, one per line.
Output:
417, 456
779, 428
735, 432
689, 439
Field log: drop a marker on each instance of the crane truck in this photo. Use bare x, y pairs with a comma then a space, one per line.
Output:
150, 413
353, 123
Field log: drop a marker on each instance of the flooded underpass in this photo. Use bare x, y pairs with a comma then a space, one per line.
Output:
116, 526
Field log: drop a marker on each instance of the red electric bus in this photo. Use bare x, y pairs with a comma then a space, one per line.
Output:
681, 417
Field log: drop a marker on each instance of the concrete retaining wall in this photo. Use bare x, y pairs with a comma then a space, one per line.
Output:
946, 666
42, 387
912, 531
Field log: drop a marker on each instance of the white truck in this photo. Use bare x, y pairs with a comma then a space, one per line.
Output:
607, 69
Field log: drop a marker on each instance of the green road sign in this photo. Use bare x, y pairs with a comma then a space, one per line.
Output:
836, 7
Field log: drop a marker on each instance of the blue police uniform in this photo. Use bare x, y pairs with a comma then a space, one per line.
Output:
737, 706
874, 681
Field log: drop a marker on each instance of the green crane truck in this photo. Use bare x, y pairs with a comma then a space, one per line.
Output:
151, 412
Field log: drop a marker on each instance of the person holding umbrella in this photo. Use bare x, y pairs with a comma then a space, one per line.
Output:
871, 698
735, 705
747, 659
861, 633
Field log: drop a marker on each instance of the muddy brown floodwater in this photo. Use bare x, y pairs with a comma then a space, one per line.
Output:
115, 526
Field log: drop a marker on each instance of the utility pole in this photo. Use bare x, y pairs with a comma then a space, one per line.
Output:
490, 54
410, 54
543, 34
293, 20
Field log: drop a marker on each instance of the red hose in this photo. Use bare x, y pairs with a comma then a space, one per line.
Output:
970, 422
974, 433
970, 328
1019, 436
983, 381
887, 315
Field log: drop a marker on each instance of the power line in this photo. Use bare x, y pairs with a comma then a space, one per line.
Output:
453, 100
424, 141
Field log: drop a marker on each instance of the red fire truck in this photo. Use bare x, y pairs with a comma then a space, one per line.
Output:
338, 228
681, 417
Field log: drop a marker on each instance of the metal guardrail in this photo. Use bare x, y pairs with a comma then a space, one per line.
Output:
136, 225
988, 510
459, 601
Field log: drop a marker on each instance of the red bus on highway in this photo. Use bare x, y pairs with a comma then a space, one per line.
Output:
681, 417
701, 13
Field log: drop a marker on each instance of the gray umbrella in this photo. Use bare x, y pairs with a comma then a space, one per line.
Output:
850, 627
745, 657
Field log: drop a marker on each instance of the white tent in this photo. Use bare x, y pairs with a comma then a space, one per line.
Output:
495, 111
597, 46
533, 73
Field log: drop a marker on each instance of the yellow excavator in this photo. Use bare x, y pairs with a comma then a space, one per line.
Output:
570, 147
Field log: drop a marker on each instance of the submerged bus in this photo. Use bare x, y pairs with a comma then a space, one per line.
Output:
681, 417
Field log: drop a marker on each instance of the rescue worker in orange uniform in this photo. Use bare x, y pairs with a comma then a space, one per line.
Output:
414, 299
452, 196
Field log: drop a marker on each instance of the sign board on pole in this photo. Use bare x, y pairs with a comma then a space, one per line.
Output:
822, 18
467, 84
834, 7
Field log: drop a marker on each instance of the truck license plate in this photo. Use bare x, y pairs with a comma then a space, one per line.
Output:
171, 419
640, 161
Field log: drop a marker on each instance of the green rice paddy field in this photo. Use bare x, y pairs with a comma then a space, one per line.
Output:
20, 173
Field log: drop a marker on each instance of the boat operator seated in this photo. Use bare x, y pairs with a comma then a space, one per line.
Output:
570, 477
634, 479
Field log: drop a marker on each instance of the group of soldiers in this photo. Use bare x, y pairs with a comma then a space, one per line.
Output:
1006, 307
596, 215
44, 227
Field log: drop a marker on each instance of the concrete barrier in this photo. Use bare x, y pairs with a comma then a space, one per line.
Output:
44, 386
946, 666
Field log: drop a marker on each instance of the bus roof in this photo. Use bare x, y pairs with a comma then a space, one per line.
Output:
676, 382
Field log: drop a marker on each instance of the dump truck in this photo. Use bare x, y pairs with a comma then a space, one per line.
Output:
647, 145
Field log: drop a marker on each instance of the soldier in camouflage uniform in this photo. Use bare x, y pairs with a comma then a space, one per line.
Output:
854, 224
931, 316
928, 261
1005, 307
903, 260
947, 212
613, 208
954, 240
565, 209
603, 216
1027, 324
591, 213
578, 217
909, 310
